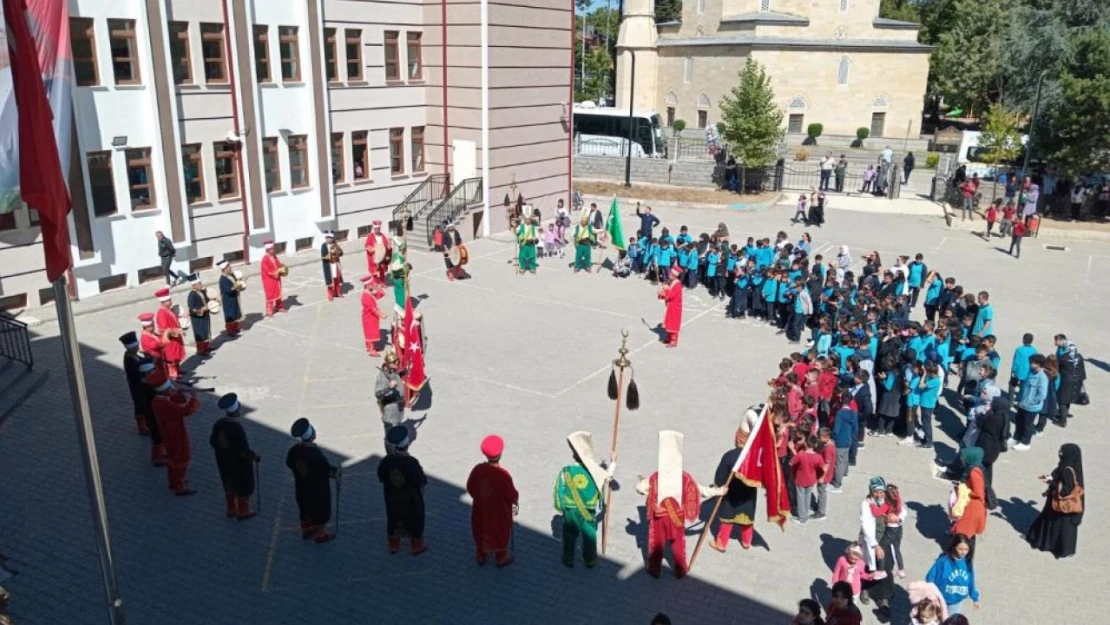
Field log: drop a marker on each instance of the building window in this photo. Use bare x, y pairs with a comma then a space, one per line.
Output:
415, 56
227, 172
270, 164
179, 53
298, 161
703, 119
140, 179
843, 6
290, 54
670, 116
193, 172
688, 70
417, 144
795, 123
360, 154
354, 55
212, 49
125, 55
83, 44
331, 64
842, 71
338, 167
102, 186
396, 151
392, 54
701, 7
878, 124
764, 5
262, 53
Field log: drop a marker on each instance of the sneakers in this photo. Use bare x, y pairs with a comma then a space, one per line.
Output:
819, 517
1038, 432
1021, 447
905, 442
878, 575
797, 520
836, 490
924, 446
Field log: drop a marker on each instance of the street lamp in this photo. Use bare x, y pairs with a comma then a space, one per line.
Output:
631, 126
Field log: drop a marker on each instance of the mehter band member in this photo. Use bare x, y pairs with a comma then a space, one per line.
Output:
389, 391
230, 288
527, 237
495, 502
234, 459
672, 296
312, 475
169, 332
578, 490
738, 505
149, 341
403, 482
158, 455
330, 253
199, 318
372, 314
171, 406
131, 359
378, 252
272, 272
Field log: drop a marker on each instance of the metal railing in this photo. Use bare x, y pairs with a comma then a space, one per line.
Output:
694, 149
423, 197
15, 341
466, 193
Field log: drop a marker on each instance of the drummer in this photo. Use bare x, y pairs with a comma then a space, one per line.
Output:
229, 297
453, 250
199, 318
378, 252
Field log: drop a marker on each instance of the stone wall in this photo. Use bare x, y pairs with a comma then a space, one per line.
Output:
644, 170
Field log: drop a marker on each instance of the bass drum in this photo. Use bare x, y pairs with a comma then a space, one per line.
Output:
213, 294
214, 307
464, 254
456, 255
379, 254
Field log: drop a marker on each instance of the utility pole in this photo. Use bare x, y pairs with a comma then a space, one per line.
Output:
1032, 126
631, 121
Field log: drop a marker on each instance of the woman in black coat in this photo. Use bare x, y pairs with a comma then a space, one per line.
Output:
1056, 531
1072, 374
991, 426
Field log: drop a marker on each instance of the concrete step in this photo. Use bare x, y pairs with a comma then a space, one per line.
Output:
17, 385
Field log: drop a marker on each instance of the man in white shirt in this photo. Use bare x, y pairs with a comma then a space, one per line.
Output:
1078, 196
887, 155
827, 165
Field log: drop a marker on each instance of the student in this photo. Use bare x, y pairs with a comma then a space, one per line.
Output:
691, 266
992, 216
805, 467
954, 576
1031, 397
914, 372
984, 316
928, 391
827, 449
1019, 230
934, 286
890, 404
916, 278
861, 393
842, 609
713, 272
634, 254
770, 296
683, 237
844, 432
741, 289
851, 569
666, 256
1019, 366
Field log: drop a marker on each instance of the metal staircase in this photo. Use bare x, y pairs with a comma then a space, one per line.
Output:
448, 210
423, 198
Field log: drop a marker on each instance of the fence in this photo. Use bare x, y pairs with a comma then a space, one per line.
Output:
467, 193
15, 341
428, 194
694, 149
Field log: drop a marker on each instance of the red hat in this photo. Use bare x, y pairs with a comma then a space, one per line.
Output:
268, 244
376, 222
163, 294
158, 380
676, 273
367, 278
146, 319
492, 446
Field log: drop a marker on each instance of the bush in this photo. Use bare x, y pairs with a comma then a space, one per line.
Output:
815, 130
801, 155
679, 125
863, 132
720, 128
931, 160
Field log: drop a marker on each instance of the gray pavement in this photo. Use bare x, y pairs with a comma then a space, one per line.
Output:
526, 357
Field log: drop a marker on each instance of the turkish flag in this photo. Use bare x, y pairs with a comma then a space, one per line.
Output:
759, 466
41, 181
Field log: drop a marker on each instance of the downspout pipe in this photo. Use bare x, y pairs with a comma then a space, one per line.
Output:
446, 129
485, 118
229, 54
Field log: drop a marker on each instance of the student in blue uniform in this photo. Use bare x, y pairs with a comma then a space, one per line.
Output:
691, 266
730, 270
741, 289
984, 317
651, 260
933, 289
928, 390
684, 237
1019, 366
758, 277
916, 279
635, 254
713, 272
666, 255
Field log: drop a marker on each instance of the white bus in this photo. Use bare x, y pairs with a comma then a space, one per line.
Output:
970, 154
604, 131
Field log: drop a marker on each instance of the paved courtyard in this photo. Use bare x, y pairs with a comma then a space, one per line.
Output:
526, 357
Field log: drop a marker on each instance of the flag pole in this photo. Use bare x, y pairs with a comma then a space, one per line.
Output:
728, 482
79, 395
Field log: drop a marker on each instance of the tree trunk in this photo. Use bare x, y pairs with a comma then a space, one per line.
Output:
743, 175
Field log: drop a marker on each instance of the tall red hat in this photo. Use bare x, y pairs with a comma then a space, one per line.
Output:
147, 319
676, 273
163, 294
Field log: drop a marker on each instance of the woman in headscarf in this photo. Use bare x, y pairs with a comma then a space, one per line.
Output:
1072, 374
1031, 197
843, 262
877, 545
1055, 531
973, 521
991, 426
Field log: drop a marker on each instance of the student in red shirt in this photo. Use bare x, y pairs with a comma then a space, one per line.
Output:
801, 368
1015, 239
805, 467
827, 449
1008, 214
992, 216
794, 405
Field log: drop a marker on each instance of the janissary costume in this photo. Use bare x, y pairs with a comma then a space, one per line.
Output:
527, 236
403, 483
330, 255
199, 319
372, 314
171, 406
491, 518
131, 360
584, 238
229, 299
150, 342
234, 458
738, 505
672, 296
413, 360
578, 489
397, 271
451, 239
673, 498
312, 475
270, 269
158, 456
389, 393
169, 332
375, 241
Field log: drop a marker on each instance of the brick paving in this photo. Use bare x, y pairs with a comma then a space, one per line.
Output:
526, 357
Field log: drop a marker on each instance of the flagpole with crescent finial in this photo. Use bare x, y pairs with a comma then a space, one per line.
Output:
632, 398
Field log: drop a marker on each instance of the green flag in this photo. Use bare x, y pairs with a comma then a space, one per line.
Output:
616, 234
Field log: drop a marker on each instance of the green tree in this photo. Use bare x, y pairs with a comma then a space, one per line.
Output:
1000, 138
595, 86
753, 122
965, 65
668, 11
904, 10
1075, 134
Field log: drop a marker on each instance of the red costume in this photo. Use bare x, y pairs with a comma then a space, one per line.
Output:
150, 343
375, 240
371, 316
494, 494
169, 332
667, 523
413, 360
171, 406
271, 281
672, 295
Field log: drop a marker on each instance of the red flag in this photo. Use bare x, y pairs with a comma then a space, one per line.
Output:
41, 181
760, 467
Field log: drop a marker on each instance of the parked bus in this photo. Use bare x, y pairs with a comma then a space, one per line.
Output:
971, 155
605, 131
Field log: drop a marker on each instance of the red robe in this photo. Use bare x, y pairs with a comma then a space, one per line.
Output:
672, 295
171, 409
271, 281
371, 317
667, 522
378, 269
151, 345
414, 352
173, 348
491, 518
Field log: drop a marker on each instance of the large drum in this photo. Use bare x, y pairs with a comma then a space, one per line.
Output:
464, 254
455, 255
214, 306
240, 280
213, 294
379, 254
